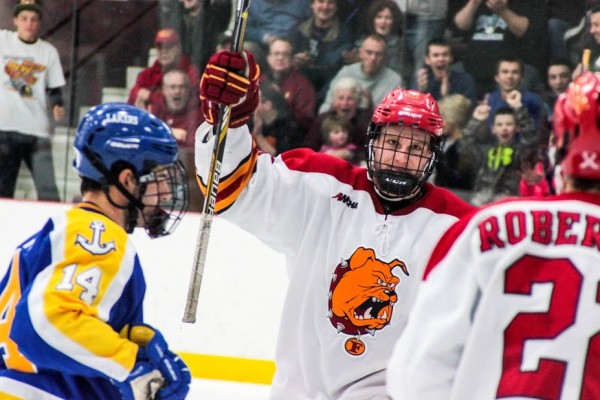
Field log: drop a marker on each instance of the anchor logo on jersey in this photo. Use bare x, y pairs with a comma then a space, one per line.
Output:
95, 246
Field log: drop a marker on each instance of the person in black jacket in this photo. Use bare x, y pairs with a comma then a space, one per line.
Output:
199, 23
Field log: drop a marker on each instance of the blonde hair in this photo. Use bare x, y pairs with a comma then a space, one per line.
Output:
455, 109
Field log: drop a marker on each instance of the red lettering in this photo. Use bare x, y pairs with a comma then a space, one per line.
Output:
592, 232
515, 226
565, 224
542, 227
488, 234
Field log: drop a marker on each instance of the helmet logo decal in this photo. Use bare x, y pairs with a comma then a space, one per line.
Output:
95, 246
123, 145
362, 296
589, 160
120, 118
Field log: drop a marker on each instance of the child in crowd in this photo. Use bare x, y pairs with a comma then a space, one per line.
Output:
336, 139
497, 156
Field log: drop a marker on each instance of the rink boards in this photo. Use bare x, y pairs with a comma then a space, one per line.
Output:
244, 281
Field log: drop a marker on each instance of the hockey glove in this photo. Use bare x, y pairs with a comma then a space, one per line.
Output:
143, 382
230, 79
154, 347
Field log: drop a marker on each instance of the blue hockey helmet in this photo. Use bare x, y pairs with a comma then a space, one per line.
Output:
121, 132
113, 135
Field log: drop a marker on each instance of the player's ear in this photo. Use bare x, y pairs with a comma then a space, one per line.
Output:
127, 179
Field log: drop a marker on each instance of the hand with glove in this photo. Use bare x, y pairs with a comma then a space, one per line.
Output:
230, 79
143, 382
155, 350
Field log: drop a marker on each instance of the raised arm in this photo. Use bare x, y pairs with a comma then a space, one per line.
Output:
465, 17
517, 24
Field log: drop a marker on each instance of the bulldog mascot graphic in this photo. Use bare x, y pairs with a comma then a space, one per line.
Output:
362, 296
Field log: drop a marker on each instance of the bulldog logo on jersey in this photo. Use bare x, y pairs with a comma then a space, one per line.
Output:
95, 246
362, 296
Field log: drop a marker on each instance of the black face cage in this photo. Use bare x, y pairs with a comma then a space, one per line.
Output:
397, 181
172, 199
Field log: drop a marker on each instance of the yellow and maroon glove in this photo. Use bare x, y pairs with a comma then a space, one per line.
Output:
230, 79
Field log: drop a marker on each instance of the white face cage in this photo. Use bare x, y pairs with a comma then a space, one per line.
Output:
400, 160
165, 196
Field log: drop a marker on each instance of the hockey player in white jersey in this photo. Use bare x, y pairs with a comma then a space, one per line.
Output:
510, 304
356, 239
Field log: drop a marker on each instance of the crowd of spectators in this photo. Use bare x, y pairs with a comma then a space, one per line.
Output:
496, 68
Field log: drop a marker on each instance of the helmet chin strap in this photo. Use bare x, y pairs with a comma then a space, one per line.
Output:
400, 183
133, 207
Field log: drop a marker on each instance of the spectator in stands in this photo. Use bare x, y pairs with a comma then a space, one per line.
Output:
454, 171
497, 156
370, 72
273, 127
353, 15
274, 18
534, 168
424, 20
589, 40
170, 56
177, 107
503, 28
181, 112
438, 79
508, 77
558, 79
384, 17
562, 16
31, 72
347, 93
297, 89
198, 22
336, 139
319, 43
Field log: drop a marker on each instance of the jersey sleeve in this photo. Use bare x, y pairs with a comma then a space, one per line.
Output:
81, 284
277, 199
425, 358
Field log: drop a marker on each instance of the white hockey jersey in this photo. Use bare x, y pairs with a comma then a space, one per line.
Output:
349, 293
509, 307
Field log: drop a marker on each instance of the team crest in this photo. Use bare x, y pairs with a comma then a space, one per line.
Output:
95, 245
362, 296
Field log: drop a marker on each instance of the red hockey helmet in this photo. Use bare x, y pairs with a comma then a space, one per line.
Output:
410, 108
414, 112
576, 122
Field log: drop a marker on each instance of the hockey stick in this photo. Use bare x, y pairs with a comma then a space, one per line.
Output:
220, 132
585, 60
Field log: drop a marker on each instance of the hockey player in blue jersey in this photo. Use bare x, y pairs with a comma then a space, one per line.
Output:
71, 301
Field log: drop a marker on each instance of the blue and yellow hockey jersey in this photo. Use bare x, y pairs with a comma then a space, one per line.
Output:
67, 293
